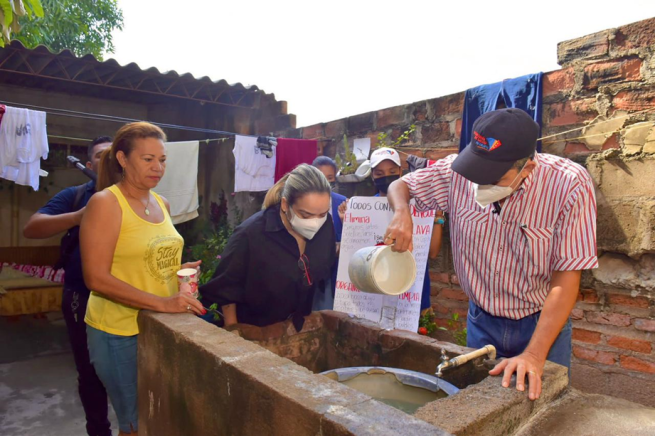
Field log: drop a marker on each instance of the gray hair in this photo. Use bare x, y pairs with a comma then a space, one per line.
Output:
304, 179
519, 164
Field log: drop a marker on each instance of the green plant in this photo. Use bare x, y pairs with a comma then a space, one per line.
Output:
385, 141
458, 334
209, 252
213, 240
427, 321
11, 11
348, 164
214, 311
82, 26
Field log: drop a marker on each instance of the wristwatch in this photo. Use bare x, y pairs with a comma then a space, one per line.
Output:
440, 219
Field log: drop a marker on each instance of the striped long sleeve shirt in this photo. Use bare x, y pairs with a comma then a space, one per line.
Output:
505, 261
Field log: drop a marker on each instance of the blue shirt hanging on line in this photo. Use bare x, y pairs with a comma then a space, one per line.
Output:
523, 92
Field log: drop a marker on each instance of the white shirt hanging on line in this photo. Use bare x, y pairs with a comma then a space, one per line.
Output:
180, 182
23, 143
254, 172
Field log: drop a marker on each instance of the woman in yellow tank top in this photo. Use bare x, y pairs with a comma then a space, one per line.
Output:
130, 255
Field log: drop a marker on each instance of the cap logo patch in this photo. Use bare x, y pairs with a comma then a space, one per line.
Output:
488, 144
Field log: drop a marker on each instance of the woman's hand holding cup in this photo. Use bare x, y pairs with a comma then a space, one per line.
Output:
186, 300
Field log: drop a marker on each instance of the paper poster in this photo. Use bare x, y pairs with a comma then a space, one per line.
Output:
364, 225
361, 148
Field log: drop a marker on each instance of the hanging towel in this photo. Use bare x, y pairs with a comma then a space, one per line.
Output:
180, 182
522, 93
23, 143
254, 171
293, 152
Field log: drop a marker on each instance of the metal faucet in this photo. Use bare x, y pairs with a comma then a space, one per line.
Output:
446, 362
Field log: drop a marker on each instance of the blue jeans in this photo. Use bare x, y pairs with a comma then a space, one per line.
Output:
114, 359
92, 392
510, 336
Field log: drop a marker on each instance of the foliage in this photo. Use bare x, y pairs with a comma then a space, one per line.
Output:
208, 240
348, 164
426, 321
13, 10
385, 141
82, 26
453, 326
214, 238
216, 314
458, 335
209, 252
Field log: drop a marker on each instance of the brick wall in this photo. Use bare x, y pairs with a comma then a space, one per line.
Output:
604, 76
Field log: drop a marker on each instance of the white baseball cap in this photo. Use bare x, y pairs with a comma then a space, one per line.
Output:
384, 153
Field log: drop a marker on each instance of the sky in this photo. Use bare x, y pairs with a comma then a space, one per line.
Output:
333, 59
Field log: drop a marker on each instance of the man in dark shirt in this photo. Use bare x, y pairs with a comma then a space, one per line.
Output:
62, 214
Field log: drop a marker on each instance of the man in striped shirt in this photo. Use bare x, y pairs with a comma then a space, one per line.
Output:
523, 228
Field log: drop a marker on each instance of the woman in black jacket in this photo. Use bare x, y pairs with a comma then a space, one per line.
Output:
274, 261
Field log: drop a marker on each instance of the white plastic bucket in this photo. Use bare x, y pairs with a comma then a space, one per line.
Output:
378, 270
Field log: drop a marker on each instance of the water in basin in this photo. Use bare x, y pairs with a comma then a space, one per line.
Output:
402, 389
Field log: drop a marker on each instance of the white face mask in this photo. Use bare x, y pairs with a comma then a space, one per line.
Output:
306, 227
487, 194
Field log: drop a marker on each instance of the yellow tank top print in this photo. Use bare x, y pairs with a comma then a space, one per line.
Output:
147, 256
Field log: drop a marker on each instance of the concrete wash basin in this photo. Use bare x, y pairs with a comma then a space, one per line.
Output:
195, 378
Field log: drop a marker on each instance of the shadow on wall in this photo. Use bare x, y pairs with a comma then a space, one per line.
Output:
216, 181
626, 207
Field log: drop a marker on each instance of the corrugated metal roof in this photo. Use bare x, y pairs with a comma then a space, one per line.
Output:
66, 66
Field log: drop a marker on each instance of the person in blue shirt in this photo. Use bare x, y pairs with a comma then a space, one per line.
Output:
63, 213
385, 169
325, 300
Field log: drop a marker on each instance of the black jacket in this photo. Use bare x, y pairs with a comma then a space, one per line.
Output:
259, 271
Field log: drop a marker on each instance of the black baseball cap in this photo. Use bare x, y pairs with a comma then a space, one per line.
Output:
499, 139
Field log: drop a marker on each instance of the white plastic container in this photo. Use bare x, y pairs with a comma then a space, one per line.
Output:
378, 270
361, 173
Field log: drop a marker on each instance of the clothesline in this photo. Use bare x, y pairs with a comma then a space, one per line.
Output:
598, 123
101, 117
112, 118
287, 157
605, 134
207, 141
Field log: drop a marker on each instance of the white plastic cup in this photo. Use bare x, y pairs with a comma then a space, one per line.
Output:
187, 281
378, 270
